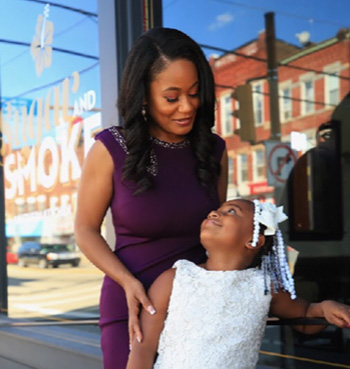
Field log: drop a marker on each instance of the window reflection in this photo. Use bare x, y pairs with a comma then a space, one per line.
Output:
50, 110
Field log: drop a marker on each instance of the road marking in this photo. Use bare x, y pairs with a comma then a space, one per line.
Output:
93, 291
43, 311
305, 359
66, 301
69, 337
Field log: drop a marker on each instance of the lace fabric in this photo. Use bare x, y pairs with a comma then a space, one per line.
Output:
215, 319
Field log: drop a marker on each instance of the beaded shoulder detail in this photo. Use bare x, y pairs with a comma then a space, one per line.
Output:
170, 145
152, 168
119, 138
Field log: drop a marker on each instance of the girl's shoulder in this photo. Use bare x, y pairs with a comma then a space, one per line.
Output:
184, 264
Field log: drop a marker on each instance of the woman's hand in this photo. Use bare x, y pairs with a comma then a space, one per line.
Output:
136, 296
336, 313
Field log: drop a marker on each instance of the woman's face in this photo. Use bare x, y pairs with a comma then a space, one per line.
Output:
173, 101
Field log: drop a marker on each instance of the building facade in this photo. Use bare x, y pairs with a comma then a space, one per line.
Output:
312, 80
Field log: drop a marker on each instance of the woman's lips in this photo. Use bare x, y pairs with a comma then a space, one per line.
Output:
184, 121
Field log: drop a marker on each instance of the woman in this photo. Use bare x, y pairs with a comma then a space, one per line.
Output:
164, 156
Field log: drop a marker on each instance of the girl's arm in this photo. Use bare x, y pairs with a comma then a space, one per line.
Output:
143, 353
334, 312
222, 181
94, 197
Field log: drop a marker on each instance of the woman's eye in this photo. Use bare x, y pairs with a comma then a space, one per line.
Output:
171, 99
194, 95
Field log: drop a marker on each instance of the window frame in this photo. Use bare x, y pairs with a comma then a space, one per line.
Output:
240, 168
307, 78
332, 68
258, 98
226, 114
256, 176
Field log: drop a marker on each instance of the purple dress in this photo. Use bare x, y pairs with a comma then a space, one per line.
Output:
153, 229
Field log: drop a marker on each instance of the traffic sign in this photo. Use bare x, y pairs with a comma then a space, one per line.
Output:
280, 159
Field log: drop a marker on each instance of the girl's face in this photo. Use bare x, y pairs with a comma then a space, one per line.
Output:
173, 101
231, 224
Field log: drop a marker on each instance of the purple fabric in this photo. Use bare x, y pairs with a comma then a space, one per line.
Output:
153, 230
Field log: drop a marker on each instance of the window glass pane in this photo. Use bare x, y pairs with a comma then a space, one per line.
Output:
258, 105
309, 96
333, 89
244, 167
230, 171
226, 117
286, 104
259, 164
290, 171
50, 109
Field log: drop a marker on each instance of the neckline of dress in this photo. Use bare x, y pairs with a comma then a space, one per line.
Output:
170, 145
235, 271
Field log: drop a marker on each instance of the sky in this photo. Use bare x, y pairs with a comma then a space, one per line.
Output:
226, 24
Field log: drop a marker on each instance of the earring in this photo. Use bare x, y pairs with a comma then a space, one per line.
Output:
144, 113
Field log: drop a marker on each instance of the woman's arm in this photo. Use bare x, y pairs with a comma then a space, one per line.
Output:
334, 312
143, 353
94, 196
222, 181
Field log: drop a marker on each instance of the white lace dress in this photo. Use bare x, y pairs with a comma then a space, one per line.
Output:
215, 319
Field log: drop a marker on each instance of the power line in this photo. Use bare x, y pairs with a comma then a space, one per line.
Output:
281, 97
20, 43
81, 11
72, 26
279, 64
49, 84
308, 19
166, 6
56, 36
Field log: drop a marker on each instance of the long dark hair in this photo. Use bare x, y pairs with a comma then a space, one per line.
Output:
150, 54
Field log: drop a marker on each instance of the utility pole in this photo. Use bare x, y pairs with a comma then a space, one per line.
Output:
272, 76
3, 241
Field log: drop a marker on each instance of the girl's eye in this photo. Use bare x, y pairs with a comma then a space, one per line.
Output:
171, 100
232, 211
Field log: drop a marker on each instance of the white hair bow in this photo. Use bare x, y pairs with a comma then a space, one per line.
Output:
270, 215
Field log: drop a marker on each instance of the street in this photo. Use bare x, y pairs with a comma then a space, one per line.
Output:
54, 293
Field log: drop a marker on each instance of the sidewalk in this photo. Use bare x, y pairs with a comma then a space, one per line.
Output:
50, 347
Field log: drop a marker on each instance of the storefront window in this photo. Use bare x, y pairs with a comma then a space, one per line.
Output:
50, 110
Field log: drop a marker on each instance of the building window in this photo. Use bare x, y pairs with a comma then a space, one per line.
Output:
226, 115
258, 104
286, 104
243, 168
259, 165
309, 96
237, 122
332, 89
230, 171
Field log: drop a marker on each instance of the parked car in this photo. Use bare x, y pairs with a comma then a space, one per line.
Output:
45, 255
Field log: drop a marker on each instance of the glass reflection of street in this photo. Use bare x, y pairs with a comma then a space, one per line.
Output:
54, 293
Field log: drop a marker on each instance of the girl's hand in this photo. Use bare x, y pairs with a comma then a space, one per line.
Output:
336, 313
136, 296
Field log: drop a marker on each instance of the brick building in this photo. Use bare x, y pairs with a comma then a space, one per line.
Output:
312, 81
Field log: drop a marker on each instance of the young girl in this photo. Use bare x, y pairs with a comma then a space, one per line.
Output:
213, 315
